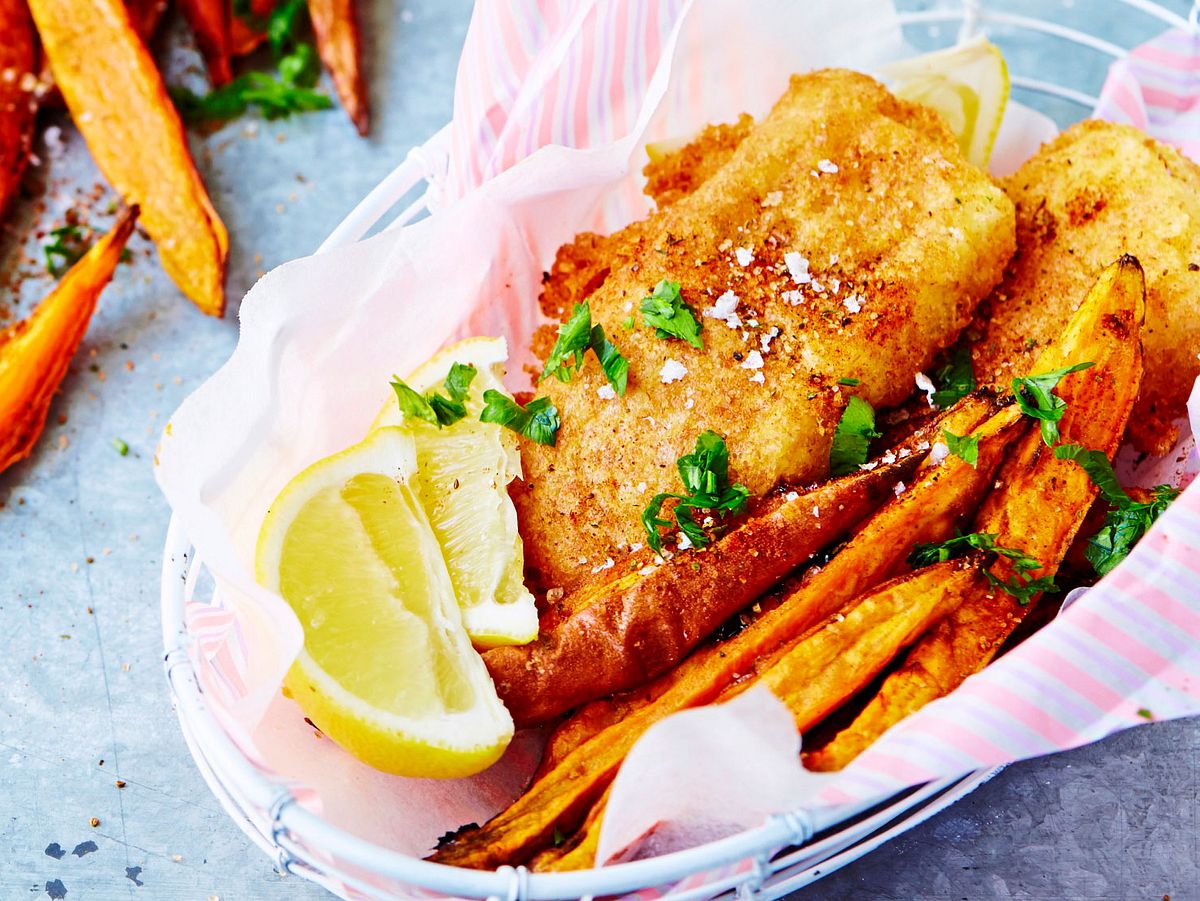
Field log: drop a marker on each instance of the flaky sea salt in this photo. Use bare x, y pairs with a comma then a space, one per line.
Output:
938, 453
606, 392
744, 256
672, 371
899, 489
828, 167
753, 360
725, 309
797, 265
758, 377
853, 303
925, 383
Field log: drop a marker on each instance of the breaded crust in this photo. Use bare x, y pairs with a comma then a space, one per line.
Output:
1096, 192
902, 239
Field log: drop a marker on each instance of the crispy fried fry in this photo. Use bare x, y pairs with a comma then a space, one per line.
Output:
335, 23
578, 852
17, 102
118, 101
927, 511
1039, 509
145, 15
209, 21
35, 353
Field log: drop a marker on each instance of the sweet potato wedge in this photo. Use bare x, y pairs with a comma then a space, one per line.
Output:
209, 21
633, 629
117, 99
246, 34
35, 353
145, 16
926, 512
1039, 508
18, 60
335, 23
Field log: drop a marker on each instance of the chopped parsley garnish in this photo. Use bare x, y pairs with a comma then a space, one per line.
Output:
70, 242
1021, 585
853, 383
705, 477
955, 379
120, 446
276, 98
1127, 520
965, 447
1145, 713
670, 315
576, 337
628, 323
1036, 400
433, 407
538, 420
852, 437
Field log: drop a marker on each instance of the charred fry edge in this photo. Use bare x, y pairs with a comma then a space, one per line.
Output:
335, 23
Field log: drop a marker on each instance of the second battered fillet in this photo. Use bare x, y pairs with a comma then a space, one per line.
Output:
870, 242
1096, 192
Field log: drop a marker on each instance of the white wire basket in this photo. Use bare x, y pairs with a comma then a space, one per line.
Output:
787, 852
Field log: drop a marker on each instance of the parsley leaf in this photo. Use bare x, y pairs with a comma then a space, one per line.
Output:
538, 420
275, 99
955, 379
965, 447
435, 408
1021, 585
285, 20
852, 437
853, 383
69, 244
1035, 399
575, 337
615, 366
705, 476
671, 317
1127, 520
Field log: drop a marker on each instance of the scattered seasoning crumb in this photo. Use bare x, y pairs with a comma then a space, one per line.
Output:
899, 489
773, 198
606, 392
672, 371
95, 821
725, 309
744, 256
120, 783
63, 442
828, 167
753, 360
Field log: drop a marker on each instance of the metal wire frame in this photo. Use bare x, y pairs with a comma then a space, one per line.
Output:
781, 853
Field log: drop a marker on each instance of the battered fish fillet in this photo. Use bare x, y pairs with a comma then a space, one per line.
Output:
1098, 191
865, 194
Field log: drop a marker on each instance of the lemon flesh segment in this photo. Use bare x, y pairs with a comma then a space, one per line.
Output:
387, 669
462, 477
967, 84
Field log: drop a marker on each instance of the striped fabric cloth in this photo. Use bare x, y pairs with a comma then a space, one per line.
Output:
1157, 89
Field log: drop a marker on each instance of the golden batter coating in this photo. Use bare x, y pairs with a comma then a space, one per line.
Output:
1098, 191
870, 242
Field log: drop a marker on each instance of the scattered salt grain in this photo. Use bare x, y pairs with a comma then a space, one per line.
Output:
758, 377
939, 453
607, 564
606, 392
725, 309
816, 511
753, 360
672, 371
925, 383
773, 198
792, 297
899, 489
797, 265
744, 256
684, 543
766, 339
853, 303
828, 167
641, 487
791, 496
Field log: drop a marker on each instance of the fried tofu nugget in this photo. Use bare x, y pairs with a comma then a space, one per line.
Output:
1096, 192
843, 241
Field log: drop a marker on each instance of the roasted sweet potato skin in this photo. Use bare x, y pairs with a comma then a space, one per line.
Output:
335, 23
209, 21
1039, 508
18, 60
120, 105
35, 353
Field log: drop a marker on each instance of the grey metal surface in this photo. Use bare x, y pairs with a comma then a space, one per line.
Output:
83, 704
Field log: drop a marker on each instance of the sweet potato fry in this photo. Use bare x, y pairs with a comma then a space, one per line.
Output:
35, 353
145, 16
335, 23
117, 99
1039, 508
246, 34
639, 626
825, 668
209, 21
18, 60
926, 512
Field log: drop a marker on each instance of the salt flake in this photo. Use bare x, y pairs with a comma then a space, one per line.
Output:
672, 371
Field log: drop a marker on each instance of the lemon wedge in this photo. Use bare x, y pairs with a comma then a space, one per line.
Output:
387, 669
968, 84
462, 477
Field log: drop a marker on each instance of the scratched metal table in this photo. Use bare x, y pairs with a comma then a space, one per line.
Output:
86, 730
